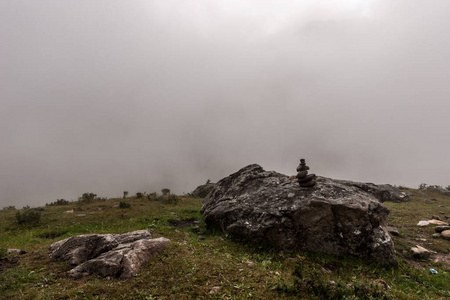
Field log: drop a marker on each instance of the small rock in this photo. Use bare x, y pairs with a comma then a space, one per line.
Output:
441, 228
420, 252
81, 215
447, 217
215, 290
249, 263
69, 212
436, 235
423, 223
437, 222
15, 251
442, 213
446, 234
434, 217
393, 230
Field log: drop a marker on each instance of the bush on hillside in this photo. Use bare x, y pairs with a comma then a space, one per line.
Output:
152, 196
58, 202
28, 217
165, 192
123, 204
87, 198
168, 199
11, 207
139, 195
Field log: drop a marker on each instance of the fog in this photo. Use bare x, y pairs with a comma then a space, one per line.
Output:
108, 96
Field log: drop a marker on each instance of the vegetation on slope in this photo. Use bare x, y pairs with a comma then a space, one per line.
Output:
203, 264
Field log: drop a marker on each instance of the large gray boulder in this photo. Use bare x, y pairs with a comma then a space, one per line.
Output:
269, 208
114, 255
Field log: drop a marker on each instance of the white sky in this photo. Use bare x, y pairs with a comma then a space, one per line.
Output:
107, 96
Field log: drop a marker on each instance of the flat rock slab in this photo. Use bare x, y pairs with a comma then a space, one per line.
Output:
334, 217
114, 255
420, 252
437, 222
423, 223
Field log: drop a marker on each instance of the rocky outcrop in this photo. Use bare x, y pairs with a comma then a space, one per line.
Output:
115, 255
383, 192
438, 189
202, 190
331, 217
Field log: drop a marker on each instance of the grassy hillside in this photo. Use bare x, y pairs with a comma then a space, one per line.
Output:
202, 264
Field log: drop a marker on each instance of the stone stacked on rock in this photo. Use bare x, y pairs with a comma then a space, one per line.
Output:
303, 178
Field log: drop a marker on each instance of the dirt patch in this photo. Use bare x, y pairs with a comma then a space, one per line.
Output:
442, 258
183, 223
51, 235
7, 263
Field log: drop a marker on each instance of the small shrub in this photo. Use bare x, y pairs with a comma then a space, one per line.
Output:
28, 217
124, 205
87, 198
169, 199
448, 187
58, 202
139, 195
11, 207
422, 186
165, 192
152, 196
125, 194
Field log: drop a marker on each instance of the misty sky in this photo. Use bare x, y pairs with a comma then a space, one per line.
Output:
106, 96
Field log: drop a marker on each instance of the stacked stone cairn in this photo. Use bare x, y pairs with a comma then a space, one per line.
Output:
303, 178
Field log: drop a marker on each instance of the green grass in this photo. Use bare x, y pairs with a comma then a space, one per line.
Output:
199, 259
